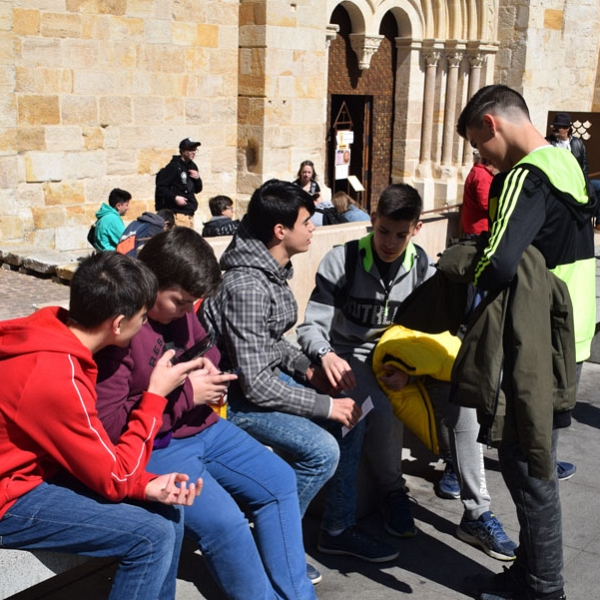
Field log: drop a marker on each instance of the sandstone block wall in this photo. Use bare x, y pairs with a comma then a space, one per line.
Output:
97, 94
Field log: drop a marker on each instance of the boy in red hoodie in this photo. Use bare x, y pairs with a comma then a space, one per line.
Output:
61, 478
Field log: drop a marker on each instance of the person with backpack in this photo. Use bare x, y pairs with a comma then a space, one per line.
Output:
146, 226
274, 398
359, 289
106, 232
178, 183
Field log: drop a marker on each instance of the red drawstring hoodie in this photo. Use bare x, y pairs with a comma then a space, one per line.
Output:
48, 417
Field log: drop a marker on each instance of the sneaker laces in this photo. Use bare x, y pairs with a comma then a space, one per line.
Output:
494, 528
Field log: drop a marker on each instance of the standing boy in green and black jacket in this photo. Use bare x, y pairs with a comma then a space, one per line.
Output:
539, 198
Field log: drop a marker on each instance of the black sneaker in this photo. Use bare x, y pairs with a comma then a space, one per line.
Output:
354, 542
507, 582
396, 513
510, 596
314, 575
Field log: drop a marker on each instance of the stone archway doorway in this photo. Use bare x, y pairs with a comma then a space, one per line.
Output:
350, 118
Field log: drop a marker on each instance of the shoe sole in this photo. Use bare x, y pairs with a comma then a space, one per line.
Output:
462, 535
379, 559
405, 534
316, 580
567, 477
447, 495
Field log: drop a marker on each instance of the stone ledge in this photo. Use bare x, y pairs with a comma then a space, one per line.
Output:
22, 569
41, 262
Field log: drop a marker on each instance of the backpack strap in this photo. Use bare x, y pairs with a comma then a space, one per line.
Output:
422, 264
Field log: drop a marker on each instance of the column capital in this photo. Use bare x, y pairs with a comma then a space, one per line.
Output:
331, 33
454, 51
432, 52
365, 47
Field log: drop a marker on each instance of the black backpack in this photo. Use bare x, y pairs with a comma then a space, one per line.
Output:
159, 201
91, 236
330, 216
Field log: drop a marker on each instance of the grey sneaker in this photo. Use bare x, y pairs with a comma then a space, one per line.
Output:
354, 542
487, 533
314, 575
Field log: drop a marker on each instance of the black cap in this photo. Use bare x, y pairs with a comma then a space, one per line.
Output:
562, 120
188, 144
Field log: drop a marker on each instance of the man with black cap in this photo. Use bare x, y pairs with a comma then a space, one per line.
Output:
178, 183
561, 137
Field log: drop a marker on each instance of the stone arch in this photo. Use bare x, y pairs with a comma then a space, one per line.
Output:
409, 16
359, 11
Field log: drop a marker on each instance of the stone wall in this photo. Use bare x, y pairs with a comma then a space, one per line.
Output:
549, 51
97, 94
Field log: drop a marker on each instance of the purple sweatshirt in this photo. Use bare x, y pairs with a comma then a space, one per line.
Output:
124, 375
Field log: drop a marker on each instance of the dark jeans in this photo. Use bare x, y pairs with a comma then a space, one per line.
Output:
539, 555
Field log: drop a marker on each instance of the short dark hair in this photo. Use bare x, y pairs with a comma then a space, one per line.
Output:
218, 204
168, 216
109, 284
491, 99
118, 196
400, 202
181, 258
276, 202
311, 164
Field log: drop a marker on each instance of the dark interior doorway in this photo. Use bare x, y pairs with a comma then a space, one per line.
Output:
360, 109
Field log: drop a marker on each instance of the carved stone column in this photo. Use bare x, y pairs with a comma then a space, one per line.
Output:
476, 61
454, 55
431, 55
365, 47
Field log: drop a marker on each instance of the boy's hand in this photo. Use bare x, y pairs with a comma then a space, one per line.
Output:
345, 411
339, 372
166, 377
393, 378
210, 384
315, 375
164, 489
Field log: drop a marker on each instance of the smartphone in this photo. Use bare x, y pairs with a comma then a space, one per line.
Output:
198, 349
233, 371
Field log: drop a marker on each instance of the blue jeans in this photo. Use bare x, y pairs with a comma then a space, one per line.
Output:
539, 559
312, 452
271, 564
340, 490
74, 520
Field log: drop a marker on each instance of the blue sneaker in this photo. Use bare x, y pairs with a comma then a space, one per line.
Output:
565, 470
487, 533
448, 487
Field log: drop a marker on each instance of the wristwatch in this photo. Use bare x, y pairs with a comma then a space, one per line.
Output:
322, 351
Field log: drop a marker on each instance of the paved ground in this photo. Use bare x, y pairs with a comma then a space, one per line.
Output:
434, 563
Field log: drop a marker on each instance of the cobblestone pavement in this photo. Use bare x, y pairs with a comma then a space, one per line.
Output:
21, 293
